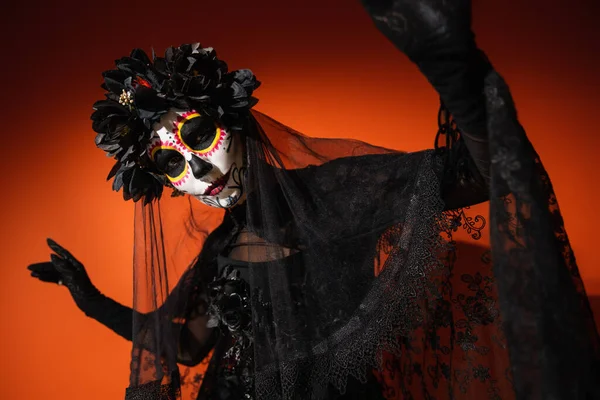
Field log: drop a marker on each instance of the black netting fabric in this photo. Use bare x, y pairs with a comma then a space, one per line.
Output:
351, 266
552, 339
324, 315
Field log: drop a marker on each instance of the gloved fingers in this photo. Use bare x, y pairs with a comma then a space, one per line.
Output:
50, 277
46, 272
62, 266
63, 253
41, 267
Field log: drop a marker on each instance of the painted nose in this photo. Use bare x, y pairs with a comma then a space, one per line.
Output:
199, 167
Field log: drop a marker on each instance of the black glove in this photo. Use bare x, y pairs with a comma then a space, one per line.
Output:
436, 35
64, 269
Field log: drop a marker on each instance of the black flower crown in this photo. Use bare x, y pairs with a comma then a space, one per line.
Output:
141, 90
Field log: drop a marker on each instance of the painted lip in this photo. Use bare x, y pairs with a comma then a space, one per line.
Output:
217, 186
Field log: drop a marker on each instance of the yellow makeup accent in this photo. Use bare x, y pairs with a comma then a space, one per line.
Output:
184, 118
173, 179
215, 142
179, 177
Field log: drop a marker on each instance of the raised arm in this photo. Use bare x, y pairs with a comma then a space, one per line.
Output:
436, 35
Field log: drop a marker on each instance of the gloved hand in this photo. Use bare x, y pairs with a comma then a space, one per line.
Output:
436, 35
425, 28
64, 269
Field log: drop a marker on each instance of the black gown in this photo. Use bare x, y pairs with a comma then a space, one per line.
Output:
230, 376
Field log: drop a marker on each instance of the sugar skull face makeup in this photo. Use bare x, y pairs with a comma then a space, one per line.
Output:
199, 157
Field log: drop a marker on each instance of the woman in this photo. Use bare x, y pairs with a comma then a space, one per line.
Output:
334, 270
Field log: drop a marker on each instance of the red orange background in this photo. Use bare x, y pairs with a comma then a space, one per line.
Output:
326, 71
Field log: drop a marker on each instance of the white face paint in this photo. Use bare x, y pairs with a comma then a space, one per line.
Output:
199, 157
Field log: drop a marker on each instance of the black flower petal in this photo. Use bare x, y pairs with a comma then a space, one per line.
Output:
140, 55
114, 80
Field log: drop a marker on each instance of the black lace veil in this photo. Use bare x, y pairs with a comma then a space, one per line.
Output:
358, 261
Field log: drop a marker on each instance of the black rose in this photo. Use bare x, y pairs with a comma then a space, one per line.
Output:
229, 301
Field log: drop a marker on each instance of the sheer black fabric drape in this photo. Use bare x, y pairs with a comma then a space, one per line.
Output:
446, 302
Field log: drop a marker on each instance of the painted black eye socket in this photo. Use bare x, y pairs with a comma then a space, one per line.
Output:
198, 133
169, 161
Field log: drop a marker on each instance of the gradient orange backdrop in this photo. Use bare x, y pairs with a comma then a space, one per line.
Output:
325, 70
